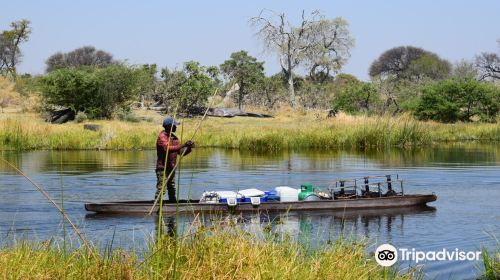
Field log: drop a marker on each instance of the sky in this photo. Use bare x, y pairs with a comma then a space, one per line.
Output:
169, 33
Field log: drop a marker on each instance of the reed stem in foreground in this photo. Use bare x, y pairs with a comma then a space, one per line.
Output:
63, 213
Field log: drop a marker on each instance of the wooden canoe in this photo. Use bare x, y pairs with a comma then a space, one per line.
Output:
123, 207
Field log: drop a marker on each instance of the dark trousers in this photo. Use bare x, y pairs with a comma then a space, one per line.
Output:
169, 184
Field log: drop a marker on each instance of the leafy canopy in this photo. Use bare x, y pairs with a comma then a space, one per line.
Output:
244, 70
354, 96
408, 62
98, 92
10, 53
187, 91
459, 100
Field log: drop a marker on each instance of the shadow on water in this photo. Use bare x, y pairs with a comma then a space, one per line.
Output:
364, 222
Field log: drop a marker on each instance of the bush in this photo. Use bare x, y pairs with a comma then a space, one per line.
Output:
81, 117
316, 95
125, 114
355, 96
97, 91
459, 100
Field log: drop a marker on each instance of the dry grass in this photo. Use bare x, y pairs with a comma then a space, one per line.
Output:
12, 101
8, 96
290, 129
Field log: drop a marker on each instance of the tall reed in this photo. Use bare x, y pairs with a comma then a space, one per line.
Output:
266, 135
218, 252
491, 264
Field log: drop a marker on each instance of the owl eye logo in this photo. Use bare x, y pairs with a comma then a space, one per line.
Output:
386, 255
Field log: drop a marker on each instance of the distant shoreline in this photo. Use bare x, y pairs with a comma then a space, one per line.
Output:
284, 132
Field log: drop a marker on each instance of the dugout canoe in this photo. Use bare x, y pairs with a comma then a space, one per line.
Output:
124, 207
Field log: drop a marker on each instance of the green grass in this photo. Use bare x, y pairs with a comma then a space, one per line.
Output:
220, 251
206, 253
284, 132
491, 264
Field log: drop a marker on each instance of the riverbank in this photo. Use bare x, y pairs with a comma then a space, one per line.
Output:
289, 130
225, 253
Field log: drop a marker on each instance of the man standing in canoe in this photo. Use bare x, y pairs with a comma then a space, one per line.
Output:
168, 146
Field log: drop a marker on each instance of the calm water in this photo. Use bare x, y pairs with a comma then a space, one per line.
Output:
466, 179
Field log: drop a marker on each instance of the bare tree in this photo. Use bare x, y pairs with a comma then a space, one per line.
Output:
10, 53
488, 65
465, 70
331, 43
84, 56
289, 42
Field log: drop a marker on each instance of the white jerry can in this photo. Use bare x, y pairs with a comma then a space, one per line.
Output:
287, 194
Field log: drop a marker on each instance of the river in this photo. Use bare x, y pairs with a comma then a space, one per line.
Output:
465, 177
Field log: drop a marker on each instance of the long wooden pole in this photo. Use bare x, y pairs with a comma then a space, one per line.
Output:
192, 137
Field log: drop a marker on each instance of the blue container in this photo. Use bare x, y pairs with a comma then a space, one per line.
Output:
247, 199
271, 196
224, 200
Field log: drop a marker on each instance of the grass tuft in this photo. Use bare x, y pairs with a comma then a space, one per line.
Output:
491, 265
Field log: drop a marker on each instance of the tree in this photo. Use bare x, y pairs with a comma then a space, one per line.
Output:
187, 91
464, 70
331, 43
459, 100
244, 70
10, 53
355, 96
84, 56
428, 66
149, 83
311, 40
407, 62
269, 91
406, 66
488, 65
98, 92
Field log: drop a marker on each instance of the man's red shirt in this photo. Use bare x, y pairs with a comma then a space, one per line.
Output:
162, 145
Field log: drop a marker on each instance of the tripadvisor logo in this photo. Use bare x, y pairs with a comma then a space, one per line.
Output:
387, 255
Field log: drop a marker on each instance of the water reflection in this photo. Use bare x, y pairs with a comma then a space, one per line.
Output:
86, 162
325, 225
464, 176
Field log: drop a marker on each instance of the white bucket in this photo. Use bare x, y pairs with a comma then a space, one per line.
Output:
287, 194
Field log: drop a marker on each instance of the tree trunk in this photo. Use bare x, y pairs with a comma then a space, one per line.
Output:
289, 79
291, 90
240, 95
398, 109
